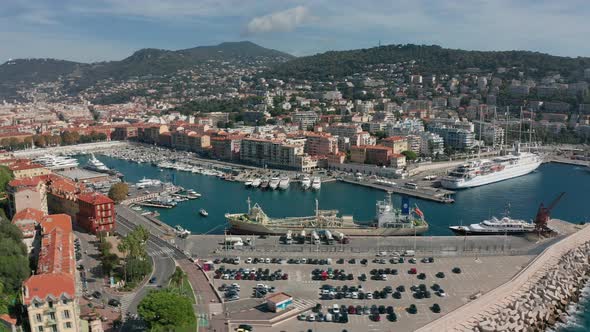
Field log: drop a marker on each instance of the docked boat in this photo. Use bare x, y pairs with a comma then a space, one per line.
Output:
389, 221
143, 183
274, 183
284, 183
264, 184
203, 212
256, 182
495, 226
53, 162
484, 171
248, 183
316, 183
96, 165
306, 183
181, 231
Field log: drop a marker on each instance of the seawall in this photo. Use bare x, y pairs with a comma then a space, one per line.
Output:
532, 300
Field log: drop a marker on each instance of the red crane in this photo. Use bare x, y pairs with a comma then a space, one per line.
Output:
544, 213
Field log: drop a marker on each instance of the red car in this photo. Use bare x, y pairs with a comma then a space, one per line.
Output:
285, 276
351, 310
413, 271
376, 317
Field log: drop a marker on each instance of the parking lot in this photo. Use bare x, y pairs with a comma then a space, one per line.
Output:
478, 275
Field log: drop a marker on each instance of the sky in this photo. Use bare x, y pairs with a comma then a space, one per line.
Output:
102, 30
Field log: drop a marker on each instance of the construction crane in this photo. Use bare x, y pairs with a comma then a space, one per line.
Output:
544, 213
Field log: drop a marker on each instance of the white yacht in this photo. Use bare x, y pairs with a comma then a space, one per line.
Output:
248, 183
495, 226
306, 183
53, 162
284, 183
274, 183
203, 212
256, 182
148, 183
96, 165
316, 184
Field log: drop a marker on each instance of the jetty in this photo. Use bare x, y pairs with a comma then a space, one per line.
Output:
431, 194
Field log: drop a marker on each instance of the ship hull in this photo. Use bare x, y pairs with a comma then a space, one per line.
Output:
248, 228
491, 178
463, 231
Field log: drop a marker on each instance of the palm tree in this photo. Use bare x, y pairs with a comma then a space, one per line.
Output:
177, 278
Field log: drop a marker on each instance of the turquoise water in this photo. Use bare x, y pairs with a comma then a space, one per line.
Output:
472, 205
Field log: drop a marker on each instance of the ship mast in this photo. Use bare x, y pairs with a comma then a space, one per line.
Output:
249, 202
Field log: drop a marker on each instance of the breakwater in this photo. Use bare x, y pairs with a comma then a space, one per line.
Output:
534, 299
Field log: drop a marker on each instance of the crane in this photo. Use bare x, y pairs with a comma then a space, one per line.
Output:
544, 213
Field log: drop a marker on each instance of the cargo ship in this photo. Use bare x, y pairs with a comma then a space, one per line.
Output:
389, 221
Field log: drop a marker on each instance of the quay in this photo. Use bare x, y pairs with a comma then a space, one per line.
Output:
432, 194
160, 206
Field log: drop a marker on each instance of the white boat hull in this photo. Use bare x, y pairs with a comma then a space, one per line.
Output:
481, 180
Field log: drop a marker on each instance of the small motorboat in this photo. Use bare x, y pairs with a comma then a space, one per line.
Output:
203, 212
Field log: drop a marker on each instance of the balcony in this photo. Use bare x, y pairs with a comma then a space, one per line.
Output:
49, 310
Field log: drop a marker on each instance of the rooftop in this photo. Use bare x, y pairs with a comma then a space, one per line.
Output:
28, 214
80, 174
278, 297
94, 198
53, 285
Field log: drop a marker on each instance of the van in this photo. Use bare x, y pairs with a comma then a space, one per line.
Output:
411, 185
409, 253
329, 261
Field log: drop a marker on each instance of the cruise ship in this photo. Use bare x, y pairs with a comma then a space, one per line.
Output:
389, 221
53, 162
484, 171
495, 226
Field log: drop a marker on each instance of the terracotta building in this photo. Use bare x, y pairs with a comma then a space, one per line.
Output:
96, 212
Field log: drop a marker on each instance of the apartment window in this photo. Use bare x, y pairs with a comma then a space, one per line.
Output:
53, 328
40, 328
66, 314
52, 315
64, 301
38, 317
67, 325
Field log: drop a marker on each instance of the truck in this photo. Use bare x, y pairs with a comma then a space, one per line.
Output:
328, 236
340, 237
233, 242
289, 237
315, 238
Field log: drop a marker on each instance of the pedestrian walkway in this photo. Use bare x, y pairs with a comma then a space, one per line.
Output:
126, 301
165, 251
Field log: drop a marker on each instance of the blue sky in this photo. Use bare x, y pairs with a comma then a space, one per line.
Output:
98, 30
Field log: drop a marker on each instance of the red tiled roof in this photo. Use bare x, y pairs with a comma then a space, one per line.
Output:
394, 138
94, 198
23, 165
278, 297
28, 213
57, 252
54, 284
8, 319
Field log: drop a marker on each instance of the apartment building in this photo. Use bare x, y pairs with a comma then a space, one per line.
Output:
288, 154
96, 213
49, 296
27, 193
320, 144
397, 143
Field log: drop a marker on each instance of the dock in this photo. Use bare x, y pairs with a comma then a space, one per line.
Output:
436, 195
162, 206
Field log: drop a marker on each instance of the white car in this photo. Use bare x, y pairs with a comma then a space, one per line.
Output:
335, 309
355, 295
369, 296
304, 261
382, 254
267, 260
248, 260
311, 317
235, 285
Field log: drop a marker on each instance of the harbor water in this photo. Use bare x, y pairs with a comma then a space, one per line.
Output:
523, 194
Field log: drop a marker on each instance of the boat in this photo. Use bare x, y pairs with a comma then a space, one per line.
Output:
485, 171
203, 212
248, 183
306, 183
495, 226
316, 184
136, 208
53, 162
181, 231
264, 184
284, 183
274, 183
148, 183
388, 221
256, 183
96, 165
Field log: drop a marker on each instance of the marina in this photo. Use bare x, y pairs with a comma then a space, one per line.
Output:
359, 201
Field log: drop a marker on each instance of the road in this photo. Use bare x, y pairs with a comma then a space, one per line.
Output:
166, 256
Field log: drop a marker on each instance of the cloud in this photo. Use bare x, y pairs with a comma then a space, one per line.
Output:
282, 21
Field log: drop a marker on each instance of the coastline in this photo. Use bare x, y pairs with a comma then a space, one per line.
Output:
538, 297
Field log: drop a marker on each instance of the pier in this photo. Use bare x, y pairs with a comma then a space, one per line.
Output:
431, 194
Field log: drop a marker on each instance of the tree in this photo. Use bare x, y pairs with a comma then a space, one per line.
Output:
5, 177
177, 278
410, 155
165, 310
119, 191
14, 264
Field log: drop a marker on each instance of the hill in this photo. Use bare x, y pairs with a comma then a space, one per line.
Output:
431, 59
141, 63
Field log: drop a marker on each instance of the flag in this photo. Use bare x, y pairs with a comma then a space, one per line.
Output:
405, 205
419, 212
